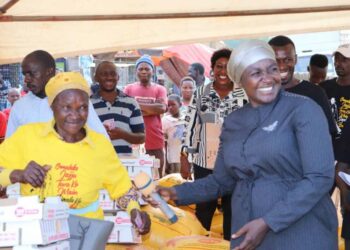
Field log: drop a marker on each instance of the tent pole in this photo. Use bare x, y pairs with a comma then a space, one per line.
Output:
9, 18
8, 4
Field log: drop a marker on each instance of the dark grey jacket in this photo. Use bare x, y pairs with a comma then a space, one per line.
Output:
277, 162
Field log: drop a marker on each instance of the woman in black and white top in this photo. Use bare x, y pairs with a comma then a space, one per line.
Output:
210, 105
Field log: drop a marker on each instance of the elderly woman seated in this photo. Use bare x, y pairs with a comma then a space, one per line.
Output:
66, 158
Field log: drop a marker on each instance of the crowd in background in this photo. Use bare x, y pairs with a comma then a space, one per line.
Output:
183, 131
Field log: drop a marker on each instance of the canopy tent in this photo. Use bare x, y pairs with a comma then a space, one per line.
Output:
73, 27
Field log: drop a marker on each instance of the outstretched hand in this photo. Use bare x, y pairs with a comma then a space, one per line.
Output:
166, 194
254, 232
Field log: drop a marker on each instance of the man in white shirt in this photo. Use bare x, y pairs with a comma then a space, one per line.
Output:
37, 68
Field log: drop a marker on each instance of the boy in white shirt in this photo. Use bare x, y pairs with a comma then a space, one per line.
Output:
173, 124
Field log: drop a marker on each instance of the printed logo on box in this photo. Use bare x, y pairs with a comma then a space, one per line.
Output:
9, 237
51, 213
20, 211
58, 237
120, 220
145, 162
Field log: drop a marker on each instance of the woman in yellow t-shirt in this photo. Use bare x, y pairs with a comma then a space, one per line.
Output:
64, 157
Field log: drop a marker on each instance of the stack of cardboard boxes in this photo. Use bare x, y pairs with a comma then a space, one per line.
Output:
123, 231
26, 223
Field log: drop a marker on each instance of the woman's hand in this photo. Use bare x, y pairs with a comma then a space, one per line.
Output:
254, 232
185, 168
141, 221
341, 167
343, 187
33, 174
166, 194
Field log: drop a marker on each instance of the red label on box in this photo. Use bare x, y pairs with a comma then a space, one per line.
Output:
144, 162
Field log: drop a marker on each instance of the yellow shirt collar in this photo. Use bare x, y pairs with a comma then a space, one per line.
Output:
49, 129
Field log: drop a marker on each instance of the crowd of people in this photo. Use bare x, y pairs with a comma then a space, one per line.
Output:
255, 136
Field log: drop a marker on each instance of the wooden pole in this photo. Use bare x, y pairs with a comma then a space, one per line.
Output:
8, 4
8, 18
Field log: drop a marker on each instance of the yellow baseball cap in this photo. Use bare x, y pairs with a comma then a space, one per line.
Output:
63, 81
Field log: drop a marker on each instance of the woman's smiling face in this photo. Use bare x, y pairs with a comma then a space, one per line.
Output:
70, 110
220, 71
261, 82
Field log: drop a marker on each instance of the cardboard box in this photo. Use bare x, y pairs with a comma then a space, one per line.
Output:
29, 208
144, 163
213, 132
14, 190
123, 231
110, 206
105, 201
25, 221
141, 202
61, 245
33, 232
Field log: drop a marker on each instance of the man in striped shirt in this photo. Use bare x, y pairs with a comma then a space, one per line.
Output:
120, 114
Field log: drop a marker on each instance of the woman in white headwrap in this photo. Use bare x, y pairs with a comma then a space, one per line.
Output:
276, 160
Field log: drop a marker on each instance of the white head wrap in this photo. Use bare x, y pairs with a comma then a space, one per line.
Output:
246, 54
